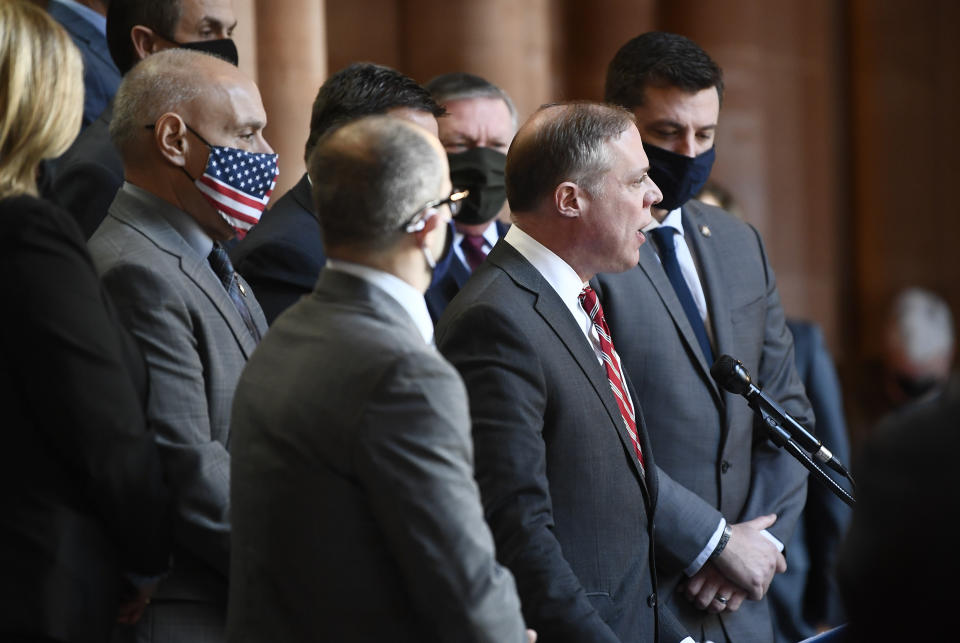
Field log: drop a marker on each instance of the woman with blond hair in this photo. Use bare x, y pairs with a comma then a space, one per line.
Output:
84, 506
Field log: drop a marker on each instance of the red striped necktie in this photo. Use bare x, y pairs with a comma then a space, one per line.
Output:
611, 362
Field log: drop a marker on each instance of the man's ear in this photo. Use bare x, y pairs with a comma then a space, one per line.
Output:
170, 136
430, 223
568, 199
145, 41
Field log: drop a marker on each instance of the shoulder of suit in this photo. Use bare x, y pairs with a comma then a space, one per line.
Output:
716, 220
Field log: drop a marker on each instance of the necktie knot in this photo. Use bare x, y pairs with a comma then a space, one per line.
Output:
590, 303
472, 246
663, 237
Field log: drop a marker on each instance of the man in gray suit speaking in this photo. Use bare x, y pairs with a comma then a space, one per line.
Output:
355, 513
177, 116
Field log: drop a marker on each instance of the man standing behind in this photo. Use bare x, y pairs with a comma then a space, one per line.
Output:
565, 470
283, 255
703, 288
476, 131
177, 116
86, 178
356, 515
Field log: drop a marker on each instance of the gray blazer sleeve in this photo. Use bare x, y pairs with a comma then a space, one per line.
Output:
197, 465
414, 456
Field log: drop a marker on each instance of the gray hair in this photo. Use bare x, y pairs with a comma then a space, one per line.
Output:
163, 82
923, 325
369, 177
570, 145
461, 85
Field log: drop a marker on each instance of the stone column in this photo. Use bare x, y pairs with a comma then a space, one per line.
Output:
291, 59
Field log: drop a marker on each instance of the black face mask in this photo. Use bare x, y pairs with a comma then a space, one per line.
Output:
480, 170
679, 177
224, 48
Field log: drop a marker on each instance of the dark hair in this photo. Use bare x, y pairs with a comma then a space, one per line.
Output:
364, 89
459, 85
369, 177
571, 146
661, 60
162, 16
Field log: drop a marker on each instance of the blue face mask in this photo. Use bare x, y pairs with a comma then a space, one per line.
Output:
679, 177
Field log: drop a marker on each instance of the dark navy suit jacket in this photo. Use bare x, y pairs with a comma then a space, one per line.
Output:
101, 78
447, 286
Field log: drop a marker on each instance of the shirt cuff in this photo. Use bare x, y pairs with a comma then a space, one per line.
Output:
771, 538
704, 555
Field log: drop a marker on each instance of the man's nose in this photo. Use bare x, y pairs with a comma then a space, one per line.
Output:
653, 196
688, 146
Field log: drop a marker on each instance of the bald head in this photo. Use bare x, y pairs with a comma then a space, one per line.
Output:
566, 142
370, 176
188, 83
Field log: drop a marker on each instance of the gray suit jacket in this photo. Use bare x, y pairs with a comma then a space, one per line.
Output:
703, 437
195, 344
355, 513
561, 486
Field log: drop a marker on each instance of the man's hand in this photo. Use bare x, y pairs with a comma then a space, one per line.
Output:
750, 560
710, 590
531, 636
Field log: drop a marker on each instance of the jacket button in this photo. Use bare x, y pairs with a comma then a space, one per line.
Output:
724, 466
652, 600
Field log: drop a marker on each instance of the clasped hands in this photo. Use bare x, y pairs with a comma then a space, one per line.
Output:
744, 569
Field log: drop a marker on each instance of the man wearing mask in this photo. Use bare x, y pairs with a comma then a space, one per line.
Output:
380, 502
702, 289
476, 132
283, 255
182, 120
86, 178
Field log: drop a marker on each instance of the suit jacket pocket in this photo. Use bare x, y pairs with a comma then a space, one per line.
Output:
603, 603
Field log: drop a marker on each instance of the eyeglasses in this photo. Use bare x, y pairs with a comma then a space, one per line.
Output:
418, 219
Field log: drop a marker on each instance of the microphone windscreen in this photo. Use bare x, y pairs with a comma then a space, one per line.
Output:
727, 374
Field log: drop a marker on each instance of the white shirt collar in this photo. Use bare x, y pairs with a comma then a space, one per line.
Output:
673, 220
403, 293
558, 273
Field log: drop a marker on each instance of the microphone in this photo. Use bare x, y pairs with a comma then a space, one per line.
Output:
734, 377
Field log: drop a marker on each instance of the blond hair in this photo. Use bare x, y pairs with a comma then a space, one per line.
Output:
41, 82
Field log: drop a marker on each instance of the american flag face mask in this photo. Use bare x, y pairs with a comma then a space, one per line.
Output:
237, 183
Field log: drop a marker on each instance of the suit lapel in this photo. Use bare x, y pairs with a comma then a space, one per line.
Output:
556, 315
710, 280
650, 265
195, 267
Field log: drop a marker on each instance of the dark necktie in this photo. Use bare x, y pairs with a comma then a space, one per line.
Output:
663, 237
222, 267
611, 363
472, 246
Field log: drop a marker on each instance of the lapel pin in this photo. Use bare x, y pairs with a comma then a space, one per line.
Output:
705, 230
